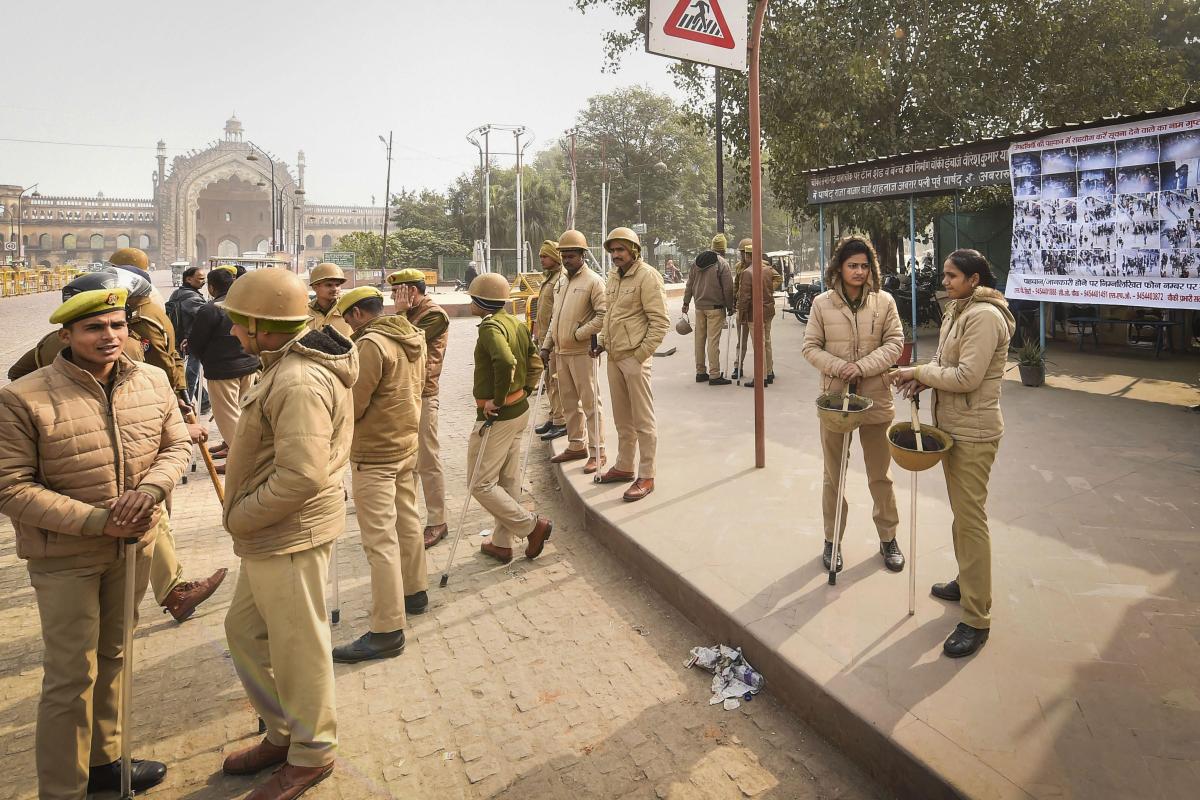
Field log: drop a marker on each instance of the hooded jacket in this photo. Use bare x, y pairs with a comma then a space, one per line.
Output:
579, 308
968, 367
284, 473
68, 447
387, 393
318, 319
636, 322
213, 342
711, 287
870, 337
46, 350
435, 324
181, 309
745, 294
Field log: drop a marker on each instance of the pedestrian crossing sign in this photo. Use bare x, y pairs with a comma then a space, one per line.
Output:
699, 30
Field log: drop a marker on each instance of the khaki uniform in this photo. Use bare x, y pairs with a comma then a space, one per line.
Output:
872, 338
383, 460
506, 369
634, 326
435, 324
966, 374
318, 319
712, 289
545, 316
46, 350
62, 458
745, 309
284, 509
579, 308
225, 398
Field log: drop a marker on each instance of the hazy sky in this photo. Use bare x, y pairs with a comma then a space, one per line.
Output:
323, 77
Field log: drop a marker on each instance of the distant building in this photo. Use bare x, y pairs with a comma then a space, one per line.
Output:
212, 202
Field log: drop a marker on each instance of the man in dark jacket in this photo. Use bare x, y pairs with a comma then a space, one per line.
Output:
228, 369
181, 310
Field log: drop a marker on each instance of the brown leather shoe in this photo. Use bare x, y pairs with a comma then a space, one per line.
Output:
501, 554
569, 455
538, 536
220, 451
183, 599
434, 534
641, 487
615, 475
254, 758
594, 464
219, 469
290, 781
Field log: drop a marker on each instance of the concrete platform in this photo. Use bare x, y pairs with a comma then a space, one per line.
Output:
1090, 684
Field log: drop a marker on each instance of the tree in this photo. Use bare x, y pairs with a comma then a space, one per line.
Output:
407, 247
425, 209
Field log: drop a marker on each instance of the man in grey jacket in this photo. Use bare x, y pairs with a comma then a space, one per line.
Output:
710, 284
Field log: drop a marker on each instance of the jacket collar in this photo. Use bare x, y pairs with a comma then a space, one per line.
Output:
124, 367
633, 268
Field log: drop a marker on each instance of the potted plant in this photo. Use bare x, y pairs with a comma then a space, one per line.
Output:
906, 354
1031, 361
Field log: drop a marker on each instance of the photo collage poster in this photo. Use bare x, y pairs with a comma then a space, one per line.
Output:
1109, 215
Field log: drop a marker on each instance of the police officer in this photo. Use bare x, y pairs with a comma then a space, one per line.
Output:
383, 462
326, 281
284, 510
506, 369
552, 267
634, 327
410, 297
90, 447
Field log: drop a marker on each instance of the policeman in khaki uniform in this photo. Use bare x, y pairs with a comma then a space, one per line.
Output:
326, 280
409, 295
284, 509
506, 369
383, 463
552, 267
771, 280
634, 327
90, 447
579, 308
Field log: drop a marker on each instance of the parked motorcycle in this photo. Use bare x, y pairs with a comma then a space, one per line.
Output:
929, 310
800, 299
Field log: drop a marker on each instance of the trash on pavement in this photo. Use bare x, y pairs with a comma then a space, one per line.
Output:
733, 677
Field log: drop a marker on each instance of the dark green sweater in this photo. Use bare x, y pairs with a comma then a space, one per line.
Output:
502, 363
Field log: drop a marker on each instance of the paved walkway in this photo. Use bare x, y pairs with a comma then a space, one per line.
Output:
557, 678
1088, 688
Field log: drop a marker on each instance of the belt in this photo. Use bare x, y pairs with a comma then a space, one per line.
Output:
512, 399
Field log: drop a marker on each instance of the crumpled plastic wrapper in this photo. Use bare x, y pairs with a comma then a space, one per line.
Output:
733, 677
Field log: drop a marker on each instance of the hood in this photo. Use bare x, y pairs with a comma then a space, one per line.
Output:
399, 330
331, 350
992, 297
833, 278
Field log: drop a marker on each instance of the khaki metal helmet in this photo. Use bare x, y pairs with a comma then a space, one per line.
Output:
625, 235
684, 326
271, 296
326, 272
130, 257
572, 240
490, 286
746, 244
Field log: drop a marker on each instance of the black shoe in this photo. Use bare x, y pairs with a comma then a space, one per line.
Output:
701, 377
770, 378
720, 380
965, 641
554, 432
750, 384
108, 777
947, 591
737, 373
416, 603
893, 559
370, 646
545, 426
828, 554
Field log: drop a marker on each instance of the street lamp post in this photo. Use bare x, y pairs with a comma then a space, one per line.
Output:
387, 194
20, 214
274, 220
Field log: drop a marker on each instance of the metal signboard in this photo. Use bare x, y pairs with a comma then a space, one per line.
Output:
343, 258
705, 31
942, 171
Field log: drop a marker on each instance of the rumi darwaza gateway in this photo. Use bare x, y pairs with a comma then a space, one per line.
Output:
220, 201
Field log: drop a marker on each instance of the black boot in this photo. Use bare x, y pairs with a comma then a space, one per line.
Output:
701, 377
737, 373
416, 603
370, 646
720, 380
828, 555
965, 640
947, 591
545, 426
770, 378
554, 432
107, 778
893, 559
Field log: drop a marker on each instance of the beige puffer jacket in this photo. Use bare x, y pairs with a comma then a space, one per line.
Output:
579, 308
967, 370
45, 351
636, 321
872, 338
66, 450
318, 319
284, 474
387, 393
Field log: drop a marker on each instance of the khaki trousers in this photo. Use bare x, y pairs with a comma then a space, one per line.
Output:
165, 570
581, 401
82, 611
385, 496
747, 343
225, 398
633, 414
429, 462
878, 461
967, 466
496, 485
278, 632
552, 391
710, 324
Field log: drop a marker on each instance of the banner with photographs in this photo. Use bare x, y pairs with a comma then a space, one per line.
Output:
1109, 215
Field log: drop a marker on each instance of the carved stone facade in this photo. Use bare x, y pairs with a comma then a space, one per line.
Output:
215, 201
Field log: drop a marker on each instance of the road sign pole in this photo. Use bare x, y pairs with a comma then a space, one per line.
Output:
756, 297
